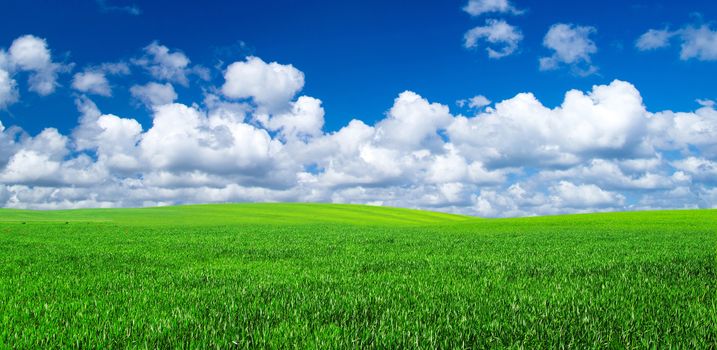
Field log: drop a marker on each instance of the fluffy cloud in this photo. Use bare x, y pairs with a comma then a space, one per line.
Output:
682, 131
269, 84
305, 119
479, 7
165, 65
571, 46
27, 54
496, 32
183, 138
696, 42
475, 102
654, 39
154, 94
92, 83
609, 120
567, 194
30, 53
252, 139
413, 123
8, 89
93, 80
699, 43
699, 168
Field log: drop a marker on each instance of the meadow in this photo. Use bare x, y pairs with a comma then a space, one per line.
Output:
347, 276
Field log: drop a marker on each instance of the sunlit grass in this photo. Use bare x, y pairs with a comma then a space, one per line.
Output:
331, 276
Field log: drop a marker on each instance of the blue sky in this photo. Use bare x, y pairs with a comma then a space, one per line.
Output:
356, 58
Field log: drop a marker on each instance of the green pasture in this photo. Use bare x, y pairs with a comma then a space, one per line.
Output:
348, 276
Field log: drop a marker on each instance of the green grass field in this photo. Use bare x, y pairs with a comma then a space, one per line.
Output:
346, 276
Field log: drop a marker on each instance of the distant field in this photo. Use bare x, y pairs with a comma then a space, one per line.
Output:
348, 276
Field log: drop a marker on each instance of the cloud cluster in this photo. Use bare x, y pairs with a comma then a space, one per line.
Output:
496, 32
475, 102
255, 137
270, 85
164, 65
696, 42
27, 54
502, 39
572, 46
154, 94
93, 80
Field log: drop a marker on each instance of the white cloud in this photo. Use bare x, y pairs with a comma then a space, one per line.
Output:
681, 131
702, 169
495, 32
610, 175
412, 123
654, 39
571, 46
114, 68
183, 138
30, 53
696, 42
699, 43
475, 102
608, 121
569, 195
305, 119
92, 83
154, 94
8, 89
119, 137
479, 7
597, 150
30, 167
165, 65
271, 85
94, 79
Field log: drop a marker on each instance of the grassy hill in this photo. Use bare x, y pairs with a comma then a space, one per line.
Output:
230, 214
346, 276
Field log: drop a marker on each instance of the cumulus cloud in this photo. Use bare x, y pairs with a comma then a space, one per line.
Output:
696, 41
699, 43
271, 85
701, 169
475, 102
30, 54
114, 68
569, 195
654, 39
413, 123
609, 120
572, 46
504, 36
479, 7
92, 83
305, 119
8, 89
154, 94
93, 80
253, 139
165, 65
